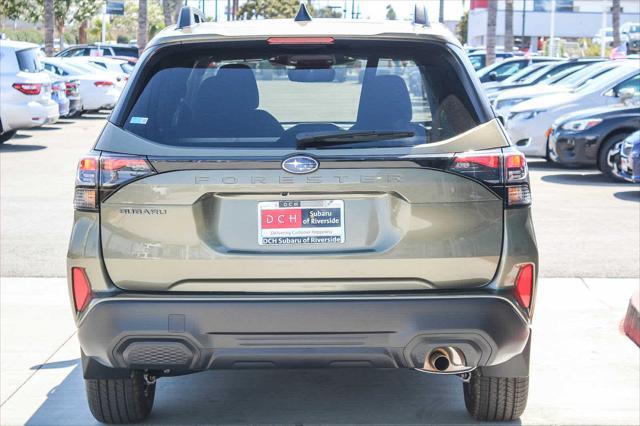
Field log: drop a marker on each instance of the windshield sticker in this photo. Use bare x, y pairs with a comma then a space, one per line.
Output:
138, 120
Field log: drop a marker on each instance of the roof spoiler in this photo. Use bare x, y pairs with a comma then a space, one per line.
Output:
189, 17
420, 16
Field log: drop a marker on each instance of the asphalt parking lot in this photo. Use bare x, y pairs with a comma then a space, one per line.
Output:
584, 371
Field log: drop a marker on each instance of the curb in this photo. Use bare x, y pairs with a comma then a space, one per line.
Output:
631, 324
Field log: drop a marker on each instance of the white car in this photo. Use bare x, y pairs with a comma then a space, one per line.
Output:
98, 90
119, 68
25, 89
529, 123
607, 33
505, 101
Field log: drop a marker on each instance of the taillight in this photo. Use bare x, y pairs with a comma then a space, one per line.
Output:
81, 288
71, 88
484, 167
505, 171
103, 83
28, 88
524, 285
97, 178
86, 193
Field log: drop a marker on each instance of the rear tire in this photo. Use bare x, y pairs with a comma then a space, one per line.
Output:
120, 400
609, 157
7, 135
496, 398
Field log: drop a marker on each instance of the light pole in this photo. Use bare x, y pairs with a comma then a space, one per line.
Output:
603, 31
441, 14
552, 32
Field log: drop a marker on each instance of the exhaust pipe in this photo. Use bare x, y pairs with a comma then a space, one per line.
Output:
447, 360
439, 360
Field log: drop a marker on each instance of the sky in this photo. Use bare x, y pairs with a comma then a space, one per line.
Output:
369, 9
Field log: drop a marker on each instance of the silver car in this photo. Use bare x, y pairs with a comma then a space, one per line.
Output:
300, 217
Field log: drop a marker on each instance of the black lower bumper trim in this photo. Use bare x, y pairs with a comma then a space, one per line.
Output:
188, 334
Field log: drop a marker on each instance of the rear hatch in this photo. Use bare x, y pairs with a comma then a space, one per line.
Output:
340, 167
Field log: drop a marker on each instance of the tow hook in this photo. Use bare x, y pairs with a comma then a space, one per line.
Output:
465, 377
149, 379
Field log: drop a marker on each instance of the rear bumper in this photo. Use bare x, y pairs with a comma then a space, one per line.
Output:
24, 115
182, 334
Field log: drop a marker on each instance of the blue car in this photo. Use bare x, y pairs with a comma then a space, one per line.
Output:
58, 94
630, 158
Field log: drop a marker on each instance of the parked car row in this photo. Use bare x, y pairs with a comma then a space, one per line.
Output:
36, 90
573, 112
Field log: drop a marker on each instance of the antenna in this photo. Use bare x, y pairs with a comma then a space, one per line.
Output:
303, 14
420, 16
189, 16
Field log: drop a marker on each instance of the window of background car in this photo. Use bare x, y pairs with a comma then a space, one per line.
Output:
28, 60
632, 83
275, 96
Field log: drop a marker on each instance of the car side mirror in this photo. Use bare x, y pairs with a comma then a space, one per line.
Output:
493, 76
611, 93
501, 119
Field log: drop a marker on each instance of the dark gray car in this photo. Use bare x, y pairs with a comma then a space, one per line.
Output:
228, 219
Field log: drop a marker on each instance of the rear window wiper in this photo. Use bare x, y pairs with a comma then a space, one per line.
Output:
347, 137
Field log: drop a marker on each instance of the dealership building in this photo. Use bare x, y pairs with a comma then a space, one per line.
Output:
532, 18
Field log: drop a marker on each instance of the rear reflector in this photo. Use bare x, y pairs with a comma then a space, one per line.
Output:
28, 89
103, 83
81, 288
524, 285
300, 40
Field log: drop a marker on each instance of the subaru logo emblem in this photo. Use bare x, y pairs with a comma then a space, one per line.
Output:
300, 164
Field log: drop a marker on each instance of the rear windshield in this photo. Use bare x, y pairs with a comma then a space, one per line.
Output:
281, 96
28, 60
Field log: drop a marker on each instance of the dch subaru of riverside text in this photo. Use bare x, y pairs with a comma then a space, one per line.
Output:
303, 193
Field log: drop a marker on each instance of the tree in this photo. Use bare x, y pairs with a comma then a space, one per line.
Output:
615, 22
391, 14
325, 12
48, 27
492, 12
508, 25
167, 12
13, 9
462, 26
127, 24
267, 9
84, 10
143, 25
177, 5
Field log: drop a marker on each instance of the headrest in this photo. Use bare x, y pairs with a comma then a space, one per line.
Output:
385, 99
237, 88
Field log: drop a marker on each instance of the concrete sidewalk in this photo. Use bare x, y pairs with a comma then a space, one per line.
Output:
584, 371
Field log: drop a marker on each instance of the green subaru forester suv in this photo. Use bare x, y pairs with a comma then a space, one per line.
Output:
303, 193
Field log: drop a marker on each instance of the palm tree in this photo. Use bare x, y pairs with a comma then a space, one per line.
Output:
492, 12
508, 25
615, 22
177, 5
142, 24
167, 12
48, 27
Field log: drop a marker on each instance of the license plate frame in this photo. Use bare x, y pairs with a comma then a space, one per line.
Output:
301, 222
